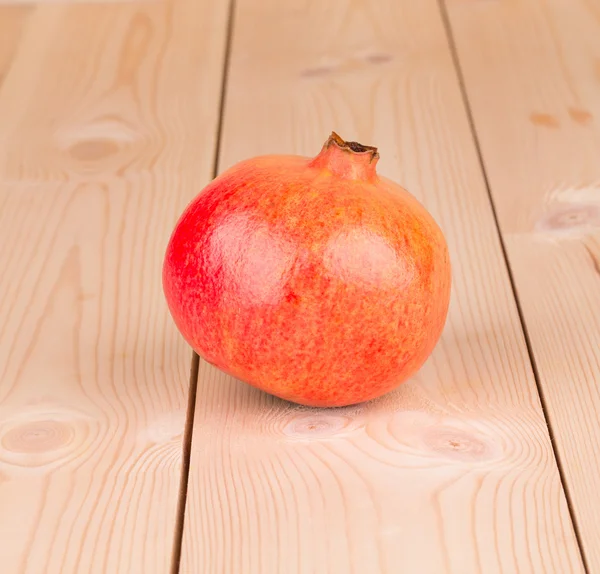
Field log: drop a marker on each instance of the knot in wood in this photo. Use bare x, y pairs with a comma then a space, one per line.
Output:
322, 425
37, 437
457, 444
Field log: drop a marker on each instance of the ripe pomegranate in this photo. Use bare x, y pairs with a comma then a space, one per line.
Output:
313, 279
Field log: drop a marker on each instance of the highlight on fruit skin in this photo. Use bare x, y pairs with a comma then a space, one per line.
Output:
314, 279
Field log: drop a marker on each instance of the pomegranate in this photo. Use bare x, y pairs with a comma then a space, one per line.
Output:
313, 279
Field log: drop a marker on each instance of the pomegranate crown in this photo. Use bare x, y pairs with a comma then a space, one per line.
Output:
335, 139
347, 159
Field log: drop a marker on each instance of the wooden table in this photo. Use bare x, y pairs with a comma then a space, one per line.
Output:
113, 115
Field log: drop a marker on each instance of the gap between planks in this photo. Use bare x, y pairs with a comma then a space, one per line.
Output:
185, 464
195, 364
534, 366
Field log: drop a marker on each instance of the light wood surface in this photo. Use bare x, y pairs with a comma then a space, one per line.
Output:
108, 118
454, 472
108, 126
537, 66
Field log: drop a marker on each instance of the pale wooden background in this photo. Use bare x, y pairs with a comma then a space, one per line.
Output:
113, 115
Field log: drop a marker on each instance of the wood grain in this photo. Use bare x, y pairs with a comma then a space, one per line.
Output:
537, 65
108, 119
454, 472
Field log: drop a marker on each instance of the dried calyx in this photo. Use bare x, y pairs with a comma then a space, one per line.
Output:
347, 159
335, 139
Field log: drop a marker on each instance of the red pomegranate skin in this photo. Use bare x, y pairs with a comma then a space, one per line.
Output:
315, 280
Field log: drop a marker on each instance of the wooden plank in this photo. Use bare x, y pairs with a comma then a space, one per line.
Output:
454, 472
537, 66
108, 118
